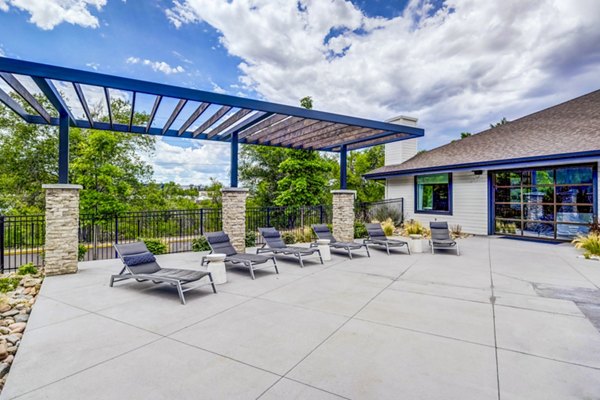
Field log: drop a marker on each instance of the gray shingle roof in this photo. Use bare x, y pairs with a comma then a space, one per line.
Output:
570, 127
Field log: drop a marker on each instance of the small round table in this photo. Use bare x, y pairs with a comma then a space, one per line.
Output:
216, 267
323, 245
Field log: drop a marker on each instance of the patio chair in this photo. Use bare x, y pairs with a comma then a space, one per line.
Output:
377, 237
322, 231
140, 264
440, 238
275, 245
219, 243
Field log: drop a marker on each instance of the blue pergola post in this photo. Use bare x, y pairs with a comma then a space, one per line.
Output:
343, 167
63, 148
234, 160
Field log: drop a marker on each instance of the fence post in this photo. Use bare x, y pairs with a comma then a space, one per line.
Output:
2, 243
202, 222
321, 214
268, 216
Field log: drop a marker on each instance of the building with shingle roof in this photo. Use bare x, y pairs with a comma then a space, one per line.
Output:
534, 177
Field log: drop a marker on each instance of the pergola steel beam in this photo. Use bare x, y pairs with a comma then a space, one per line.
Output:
211, 121
132, 110
83, 102
14, 83
108, 106
153, 112
53, 96
343, 168
272, 120
63, 148
174, 114
195, 115
13, 105
251, 121
234, 160
228, 122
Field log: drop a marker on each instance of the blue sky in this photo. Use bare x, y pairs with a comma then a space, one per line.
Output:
456, 65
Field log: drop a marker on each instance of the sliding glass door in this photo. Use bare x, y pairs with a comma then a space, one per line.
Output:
547, 203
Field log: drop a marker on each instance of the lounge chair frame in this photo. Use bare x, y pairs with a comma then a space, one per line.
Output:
219, 243
322, 231
272, 246
440, 238
377, 237
179, 278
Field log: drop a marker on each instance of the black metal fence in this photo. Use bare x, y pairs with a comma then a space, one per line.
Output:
381, 210
22, 237
176, 228
21, 240
295, 220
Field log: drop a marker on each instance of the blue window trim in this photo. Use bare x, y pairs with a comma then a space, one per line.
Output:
450, 195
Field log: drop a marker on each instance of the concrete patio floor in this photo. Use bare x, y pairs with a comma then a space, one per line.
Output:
417, 327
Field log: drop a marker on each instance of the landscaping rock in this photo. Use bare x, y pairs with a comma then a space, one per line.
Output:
10, 313
17, 327
4, 308
31, 282
9, 359
14, 338
21, 318
4, 330
3, 351
4, 367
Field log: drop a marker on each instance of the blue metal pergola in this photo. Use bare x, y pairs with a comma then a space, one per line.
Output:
236, 119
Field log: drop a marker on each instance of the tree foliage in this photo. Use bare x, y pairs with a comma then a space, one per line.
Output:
503, 121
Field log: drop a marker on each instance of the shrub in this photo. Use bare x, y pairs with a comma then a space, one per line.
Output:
200, 244
288, 238
388, 227
8, 284
414, 227
590, 243
81, 250
250, 239
360, 231
27, 269
155, 246
456, 230
305, 235
385, 211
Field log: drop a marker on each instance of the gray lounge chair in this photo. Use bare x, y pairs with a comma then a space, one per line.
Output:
140, 264
219, 243
377, 236
322, 231
276, 245
440, 238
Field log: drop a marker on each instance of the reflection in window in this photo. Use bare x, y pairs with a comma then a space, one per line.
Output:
433, 193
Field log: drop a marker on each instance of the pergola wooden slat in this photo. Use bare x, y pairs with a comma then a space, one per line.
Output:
254, 122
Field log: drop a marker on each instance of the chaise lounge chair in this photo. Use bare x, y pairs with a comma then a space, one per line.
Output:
322, 231
276, 246
440, 238
140, 264
377, 236
219, 243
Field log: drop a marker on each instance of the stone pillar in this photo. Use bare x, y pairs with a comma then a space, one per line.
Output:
62, 224
234, 216
343, 214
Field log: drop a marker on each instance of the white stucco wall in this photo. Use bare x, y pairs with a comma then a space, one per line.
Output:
469, 201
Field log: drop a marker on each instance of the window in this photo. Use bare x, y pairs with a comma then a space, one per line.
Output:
433, 194
548, 202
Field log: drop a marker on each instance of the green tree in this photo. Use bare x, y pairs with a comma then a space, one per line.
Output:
359, 163
465, 135
304, 179
503, 121
259, 170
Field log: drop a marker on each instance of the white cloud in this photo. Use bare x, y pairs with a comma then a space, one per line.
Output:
194, 163
458, 67
93, 65
158, 66
47, 14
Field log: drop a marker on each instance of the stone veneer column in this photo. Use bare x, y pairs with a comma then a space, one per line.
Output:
62, 224
343, 215
234, 216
